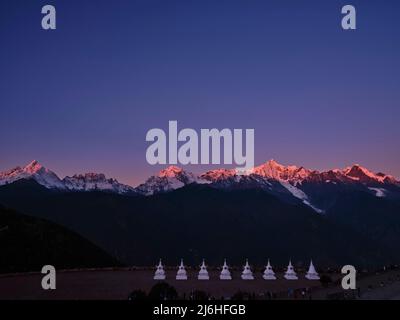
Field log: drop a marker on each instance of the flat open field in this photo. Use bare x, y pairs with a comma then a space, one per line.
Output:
118, 284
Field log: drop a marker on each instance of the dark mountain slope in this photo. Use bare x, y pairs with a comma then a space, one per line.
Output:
28, 243
374, 217
197, 221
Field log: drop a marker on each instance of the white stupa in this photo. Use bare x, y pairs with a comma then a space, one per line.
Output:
247, 274
312, 274
203, 273
290, 274
181, 274
269, 274
160, 273
225, 273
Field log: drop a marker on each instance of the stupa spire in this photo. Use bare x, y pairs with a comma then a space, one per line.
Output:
247, 274
269, 274
290, 274
160, 272
225, 273
181, 274
203, 273
312, 274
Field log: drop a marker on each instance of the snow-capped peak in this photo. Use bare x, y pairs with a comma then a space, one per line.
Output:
170, 172
90, 176
94, 181
218, 174
168, 179
33, 167
35, 171
273, 170
361, 174
47, 178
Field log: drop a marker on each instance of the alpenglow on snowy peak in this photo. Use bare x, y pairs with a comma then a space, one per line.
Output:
292, 182
95, 181
168, 179
357, 172
35, 171
47, 178
273, 170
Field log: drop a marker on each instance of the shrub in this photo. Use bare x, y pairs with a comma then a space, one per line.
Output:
163, 291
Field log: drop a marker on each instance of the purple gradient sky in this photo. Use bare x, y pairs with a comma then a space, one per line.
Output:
82, 98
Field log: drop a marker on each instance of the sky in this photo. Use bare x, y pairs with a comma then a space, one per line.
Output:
81, 98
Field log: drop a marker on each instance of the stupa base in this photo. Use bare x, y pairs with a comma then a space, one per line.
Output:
291, 277
312, 277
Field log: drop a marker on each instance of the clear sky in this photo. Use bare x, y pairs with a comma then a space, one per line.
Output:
81, 98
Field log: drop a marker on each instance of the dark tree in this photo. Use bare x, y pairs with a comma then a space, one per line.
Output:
163, 291
199, 295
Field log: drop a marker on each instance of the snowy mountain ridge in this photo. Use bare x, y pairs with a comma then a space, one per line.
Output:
270, 176
33, 170
47, 178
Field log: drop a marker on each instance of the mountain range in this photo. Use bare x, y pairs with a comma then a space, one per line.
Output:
289, 183
335, 217
47, 178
